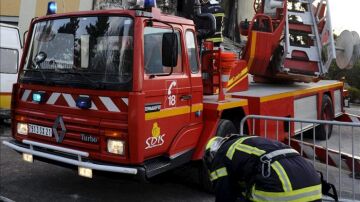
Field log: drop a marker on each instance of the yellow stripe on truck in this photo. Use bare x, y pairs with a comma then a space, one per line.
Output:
173, 112
196, 107
300, 92
5, 101
253, 49
238, 78
167, 113
232, 104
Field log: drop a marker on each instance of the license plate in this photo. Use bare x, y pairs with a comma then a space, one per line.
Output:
28, 157
85, 172
40, 130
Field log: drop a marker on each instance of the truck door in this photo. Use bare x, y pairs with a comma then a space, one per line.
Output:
167, 98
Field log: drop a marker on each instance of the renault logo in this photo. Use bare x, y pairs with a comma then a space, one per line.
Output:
59, 135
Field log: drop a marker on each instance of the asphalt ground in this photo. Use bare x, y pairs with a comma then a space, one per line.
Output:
38, 181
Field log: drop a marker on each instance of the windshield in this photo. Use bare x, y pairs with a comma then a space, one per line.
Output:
88, 52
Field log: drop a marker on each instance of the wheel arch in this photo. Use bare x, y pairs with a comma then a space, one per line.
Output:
235, 115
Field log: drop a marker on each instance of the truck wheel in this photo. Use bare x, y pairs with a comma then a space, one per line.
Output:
324, 131
225, 128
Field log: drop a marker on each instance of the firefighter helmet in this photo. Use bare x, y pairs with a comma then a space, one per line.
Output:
211, 149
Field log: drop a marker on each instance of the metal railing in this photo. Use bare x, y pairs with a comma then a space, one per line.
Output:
319, 152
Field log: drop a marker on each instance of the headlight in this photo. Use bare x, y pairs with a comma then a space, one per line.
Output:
116, 146
22, 128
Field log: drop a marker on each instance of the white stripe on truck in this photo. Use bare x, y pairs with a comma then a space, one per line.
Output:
109, 104
54, 97
25, 95
69, 99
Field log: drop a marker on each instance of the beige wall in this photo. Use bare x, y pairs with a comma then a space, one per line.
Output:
9, 7
12, 7
63, 6
36, 8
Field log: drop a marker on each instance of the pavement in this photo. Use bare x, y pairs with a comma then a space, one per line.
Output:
38, 181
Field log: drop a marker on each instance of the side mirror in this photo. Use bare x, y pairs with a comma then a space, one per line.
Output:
169, 50
40, 57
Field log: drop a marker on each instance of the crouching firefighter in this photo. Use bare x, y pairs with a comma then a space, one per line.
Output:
251, 168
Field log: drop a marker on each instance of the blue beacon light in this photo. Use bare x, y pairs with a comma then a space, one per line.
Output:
150, 3
38, 97
83, 102
52, 8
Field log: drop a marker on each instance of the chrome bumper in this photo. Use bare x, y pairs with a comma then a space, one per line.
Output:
28, 147
5, 113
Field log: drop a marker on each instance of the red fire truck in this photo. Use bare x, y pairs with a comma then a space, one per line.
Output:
126, 91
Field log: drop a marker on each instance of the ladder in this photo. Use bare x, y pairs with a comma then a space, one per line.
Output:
309, 42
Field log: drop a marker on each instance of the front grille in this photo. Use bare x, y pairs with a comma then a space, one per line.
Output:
74, 129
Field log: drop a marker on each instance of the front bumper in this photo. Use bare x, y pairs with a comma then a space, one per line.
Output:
5, 113
67, 156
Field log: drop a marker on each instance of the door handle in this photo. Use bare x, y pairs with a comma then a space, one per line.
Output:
185, 97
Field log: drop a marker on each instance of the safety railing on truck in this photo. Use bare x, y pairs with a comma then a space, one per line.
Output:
339, 155
309, 21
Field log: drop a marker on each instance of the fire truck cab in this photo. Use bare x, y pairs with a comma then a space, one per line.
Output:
94, 85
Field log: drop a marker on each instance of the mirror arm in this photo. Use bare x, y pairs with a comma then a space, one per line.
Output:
165, 23
168, 74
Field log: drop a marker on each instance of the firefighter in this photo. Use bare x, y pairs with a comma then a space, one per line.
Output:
252, 168
214, 8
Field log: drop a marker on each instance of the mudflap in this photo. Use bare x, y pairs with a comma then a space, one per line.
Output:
346, 117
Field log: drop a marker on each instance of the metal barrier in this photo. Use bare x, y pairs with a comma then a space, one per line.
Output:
317, 151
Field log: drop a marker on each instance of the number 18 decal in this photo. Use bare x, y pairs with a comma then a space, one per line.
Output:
171, 97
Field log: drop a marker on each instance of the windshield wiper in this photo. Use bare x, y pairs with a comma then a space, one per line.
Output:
94, 84
46, 80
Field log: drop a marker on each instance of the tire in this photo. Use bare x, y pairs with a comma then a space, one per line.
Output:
324, 131
225, 128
